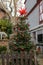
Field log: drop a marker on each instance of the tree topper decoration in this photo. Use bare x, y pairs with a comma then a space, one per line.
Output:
22, 11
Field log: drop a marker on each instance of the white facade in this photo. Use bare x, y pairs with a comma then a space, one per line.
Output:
33, 19
30, 4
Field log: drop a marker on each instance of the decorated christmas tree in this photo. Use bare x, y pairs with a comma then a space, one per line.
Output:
22, 36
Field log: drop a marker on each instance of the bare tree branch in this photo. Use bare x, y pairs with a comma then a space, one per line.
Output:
25, 1
6, 10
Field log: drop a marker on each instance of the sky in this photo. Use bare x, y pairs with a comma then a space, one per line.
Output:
20, 4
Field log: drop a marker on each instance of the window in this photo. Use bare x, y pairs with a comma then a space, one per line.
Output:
41, 12
34, 35
40, 38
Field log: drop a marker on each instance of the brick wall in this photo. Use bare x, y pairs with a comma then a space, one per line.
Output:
2, 15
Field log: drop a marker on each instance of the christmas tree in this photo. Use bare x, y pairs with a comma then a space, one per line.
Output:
22, 36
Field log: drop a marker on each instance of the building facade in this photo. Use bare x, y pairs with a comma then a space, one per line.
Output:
35, 19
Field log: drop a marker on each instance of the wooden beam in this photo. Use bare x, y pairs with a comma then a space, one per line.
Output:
38, 1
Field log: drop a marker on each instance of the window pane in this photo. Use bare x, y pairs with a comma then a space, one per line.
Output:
40, 9
41, 17
40, 38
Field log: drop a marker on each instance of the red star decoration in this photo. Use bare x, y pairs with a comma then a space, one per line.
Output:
22, 11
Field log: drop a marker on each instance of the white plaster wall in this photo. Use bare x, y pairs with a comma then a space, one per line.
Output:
30, 4
33, 18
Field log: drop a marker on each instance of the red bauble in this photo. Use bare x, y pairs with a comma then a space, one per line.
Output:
22, 11
18, 28
28, 24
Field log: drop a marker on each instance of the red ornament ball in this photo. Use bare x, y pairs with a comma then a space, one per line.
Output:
18, 28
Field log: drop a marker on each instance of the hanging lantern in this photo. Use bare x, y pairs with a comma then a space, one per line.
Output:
22, 11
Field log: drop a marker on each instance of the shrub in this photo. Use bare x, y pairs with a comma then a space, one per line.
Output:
3, 49
6, 26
